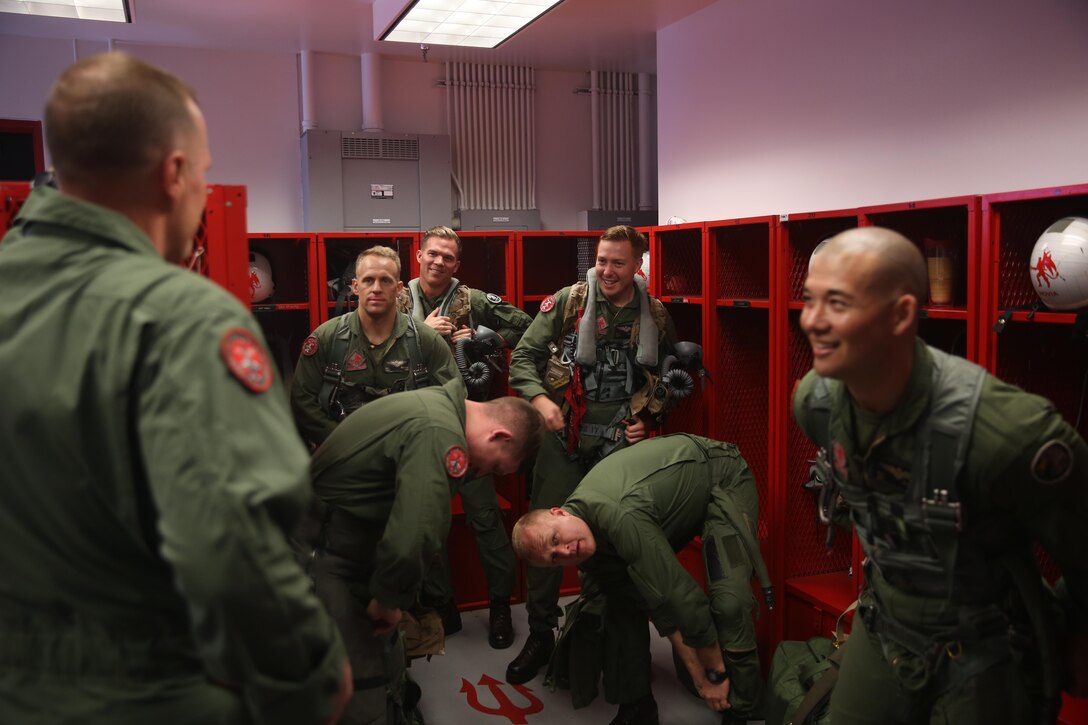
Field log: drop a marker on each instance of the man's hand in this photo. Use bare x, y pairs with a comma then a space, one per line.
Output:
439, 323
343, 694
636, 429
553, 416
460, 334
716, 697
382, 620
697, 661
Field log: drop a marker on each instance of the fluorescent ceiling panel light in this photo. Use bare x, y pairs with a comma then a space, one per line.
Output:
115, 11
472, 23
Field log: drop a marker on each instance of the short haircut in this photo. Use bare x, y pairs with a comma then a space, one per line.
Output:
521, 537
442, 233
524, 422
624, 233
900, 266
378, 251
111, 117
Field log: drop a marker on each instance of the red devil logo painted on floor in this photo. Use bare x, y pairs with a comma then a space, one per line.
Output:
506, 708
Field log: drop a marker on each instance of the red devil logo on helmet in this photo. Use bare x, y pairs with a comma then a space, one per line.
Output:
1045, 269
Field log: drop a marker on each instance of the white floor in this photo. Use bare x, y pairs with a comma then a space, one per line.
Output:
471, 673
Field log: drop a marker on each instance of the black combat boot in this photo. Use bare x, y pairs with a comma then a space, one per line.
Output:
534, 655
500, 627
639, 712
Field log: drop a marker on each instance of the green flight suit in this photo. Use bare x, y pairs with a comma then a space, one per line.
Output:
368, 372
556, 473
478, 496
1023, 482
383, 479
150, 474
643, 504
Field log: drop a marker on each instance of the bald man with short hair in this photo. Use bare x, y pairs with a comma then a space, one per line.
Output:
951, 477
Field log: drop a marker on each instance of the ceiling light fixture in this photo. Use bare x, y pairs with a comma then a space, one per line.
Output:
474, 23
116, 11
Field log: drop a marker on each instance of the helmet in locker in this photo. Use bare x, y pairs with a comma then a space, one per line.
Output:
1059, 264
260, 278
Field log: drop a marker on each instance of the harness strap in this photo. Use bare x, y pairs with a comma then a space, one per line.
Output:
333, 374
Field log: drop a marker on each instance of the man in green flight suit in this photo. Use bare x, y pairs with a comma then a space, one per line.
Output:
150, 466
437, 299
622, 527
384, 479
586, 363
950, 477
365, 354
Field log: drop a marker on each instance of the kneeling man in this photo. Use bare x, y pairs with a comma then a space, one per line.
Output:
623, 525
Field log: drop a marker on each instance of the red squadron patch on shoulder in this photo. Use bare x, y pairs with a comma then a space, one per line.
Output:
309, 347
246, 360
1053, 462
456, 462
838, 459
547, 304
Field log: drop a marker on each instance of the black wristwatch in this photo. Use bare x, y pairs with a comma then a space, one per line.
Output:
717, 678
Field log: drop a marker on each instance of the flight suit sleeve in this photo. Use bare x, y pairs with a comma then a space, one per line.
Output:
228, 479
1035, 466
801, 392
502, 317
674, 599
529, 358
437, 354
419, 520
312, 422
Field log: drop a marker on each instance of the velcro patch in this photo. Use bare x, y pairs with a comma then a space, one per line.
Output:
456, 462
838, 459
309, 347
602, 325
355, 362
547, 304
493, 298
246, 360
1052, 463
395, 366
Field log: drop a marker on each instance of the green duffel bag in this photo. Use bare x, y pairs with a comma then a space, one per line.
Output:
796, 667
802, 677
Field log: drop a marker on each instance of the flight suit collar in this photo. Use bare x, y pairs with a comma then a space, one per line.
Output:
47, 206
912, 406
356, 327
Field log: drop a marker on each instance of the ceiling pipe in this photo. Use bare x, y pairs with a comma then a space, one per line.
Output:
371, 65
306, 88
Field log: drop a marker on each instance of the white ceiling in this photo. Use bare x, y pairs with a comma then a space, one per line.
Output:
576, 35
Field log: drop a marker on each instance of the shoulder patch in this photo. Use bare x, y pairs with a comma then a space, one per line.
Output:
246, 360
309, 347
1052, 463
493, 298
547, 304
456, 462
838, 459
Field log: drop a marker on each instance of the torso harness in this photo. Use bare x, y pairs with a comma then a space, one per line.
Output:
338, 398
915, 538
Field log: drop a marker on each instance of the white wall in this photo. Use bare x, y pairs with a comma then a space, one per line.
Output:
792, 106
251, 101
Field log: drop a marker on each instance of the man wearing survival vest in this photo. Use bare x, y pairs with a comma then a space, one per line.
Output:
366, 353
589, 363
951, 477
438, 300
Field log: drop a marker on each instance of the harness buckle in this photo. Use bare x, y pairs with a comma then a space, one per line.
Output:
939, 510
